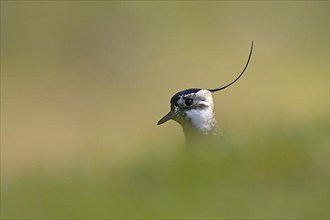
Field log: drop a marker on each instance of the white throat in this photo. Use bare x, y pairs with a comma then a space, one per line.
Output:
202, 119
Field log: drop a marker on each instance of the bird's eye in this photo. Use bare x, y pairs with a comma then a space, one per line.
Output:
189, 102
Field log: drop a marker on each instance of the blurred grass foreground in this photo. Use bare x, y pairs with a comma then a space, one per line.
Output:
83, 84
270, 176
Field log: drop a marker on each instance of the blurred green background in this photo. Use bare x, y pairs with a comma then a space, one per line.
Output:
83, 84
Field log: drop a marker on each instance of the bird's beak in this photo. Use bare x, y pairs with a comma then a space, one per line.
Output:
167, 117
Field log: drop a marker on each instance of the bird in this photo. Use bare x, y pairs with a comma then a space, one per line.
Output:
194, 110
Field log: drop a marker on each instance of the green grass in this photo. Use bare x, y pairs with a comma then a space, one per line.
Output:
83, 87
275, 174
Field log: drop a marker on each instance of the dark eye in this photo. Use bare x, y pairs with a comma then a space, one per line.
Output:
189, 102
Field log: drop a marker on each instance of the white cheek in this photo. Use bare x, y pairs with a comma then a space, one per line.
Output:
205, 103
201, 119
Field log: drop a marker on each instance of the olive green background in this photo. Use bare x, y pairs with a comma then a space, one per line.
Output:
83, 84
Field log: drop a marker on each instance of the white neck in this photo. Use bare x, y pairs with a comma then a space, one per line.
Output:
202, 120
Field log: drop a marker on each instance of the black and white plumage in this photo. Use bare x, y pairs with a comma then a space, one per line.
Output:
194, 110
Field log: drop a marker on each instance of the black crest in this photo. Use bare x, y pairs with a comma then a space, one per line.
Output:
176, 97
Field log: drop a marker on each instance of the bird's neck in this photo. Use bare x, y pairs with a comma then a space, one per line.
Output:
200, 122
